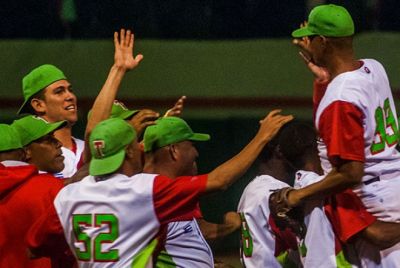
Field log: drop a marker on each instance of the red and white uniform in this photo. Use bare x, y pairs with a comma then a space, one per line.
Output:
24, 196
260, 245
185, 246
116, 221
72, 159
357, 120
331, 223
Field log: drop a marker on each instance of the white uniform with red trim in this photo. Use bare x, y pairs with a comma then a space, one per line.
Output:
357, 120
361, 101
71, 159
185, 246
114, 222
323, 249
258, 243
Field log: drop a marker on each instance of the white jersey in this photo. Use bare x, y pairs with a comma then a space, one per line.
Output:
185, 246
258, 239
71, 159
319, 241
114, 222
369, 90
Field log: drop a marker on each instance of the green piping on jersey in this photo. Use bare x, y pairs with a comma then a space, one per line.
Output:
341, 261
285, 261
143, 257
164, 260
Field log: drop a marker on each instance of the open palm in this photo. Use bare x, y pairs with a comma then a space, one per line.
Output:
123, 56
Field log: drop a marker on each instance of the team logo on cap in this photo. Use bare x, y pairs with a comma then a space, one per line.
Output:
99, 145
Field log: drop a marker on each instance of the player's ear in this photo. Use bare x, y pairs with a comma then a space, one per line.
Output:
173, 151
38, 105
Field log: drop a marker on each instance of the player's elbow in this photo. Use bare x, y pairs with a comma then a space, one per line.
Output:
353, 172
377, 235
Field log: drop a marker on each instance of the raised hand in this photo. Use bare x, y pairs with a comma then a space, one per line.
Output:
177, 109
123, 55
320, 73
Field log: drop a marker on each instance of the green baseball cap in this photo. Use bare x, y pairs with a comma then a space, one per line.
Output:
9, 138
119, 110
327, 20
32, 127
107, 143
169, 130
38, 79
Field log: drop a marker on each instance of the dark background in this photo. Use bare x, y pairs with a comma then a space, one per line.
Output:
177, 19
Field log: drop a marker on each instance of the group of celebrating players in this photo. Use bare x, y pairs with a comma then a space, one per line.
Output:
128, 195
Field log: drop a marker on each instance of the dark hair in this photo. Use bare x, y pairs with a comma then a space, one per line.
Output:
298, 143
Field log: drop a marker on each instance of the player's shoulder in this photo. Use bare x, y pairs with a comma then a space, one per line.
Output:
261, 185
304, 178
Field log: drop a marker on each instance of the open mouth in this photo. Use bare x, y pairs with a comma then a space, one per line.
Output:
71, 107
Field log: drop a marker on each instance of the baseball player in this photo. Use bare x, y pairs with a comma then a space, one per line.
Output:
48, 94
262, 243
169, 151
356, 119
112, 218
26, 193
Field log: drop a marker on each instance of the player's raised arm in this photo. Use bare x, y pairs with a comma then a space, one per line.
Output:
227, 173
124, 61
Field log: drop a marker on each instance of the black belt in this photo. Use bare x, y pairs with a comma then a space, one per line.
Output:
371, 180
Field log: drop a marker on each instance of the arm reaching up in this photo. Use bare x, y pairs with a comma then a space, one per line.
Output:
124, 61
227, 173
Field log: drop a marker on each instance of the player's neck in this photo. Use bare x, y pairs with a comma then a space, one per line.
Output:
64, 135
342, 63
274, 168
159, 169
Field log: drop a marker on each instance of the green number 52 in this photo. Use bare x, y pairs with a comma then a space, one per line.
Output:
93, 245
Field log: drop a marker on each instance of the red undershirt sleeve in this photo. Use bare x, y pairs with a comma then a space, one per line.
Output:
46, 236
340, 127
347, 214
177, 199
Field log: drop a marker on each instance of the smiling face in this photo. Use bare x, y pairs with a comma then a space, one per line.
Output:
58, 103
45, 153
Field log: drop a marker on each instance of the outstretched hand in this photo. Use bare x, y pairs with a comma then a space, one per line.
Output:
271, 124
143, 119
177, 109
123, 56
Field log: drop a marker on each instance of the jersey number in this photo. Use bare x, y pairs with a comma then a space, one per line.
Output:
93, 245
247, 240
386, 131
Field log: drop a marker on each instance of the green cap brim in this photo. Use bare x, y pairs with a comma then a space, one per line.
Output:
305, 31
49, 129
199, 137
107, 165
